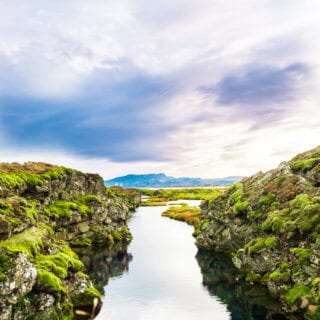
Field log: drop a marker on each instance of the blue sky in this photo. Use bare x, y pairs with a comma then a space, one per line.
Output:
190, 88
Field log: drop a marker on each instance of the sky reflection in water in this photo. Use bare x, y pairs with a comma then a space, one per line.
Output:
164, 280
168, 279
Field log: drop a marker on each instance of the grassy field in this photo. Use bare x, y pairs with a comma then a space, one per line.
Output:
161, 196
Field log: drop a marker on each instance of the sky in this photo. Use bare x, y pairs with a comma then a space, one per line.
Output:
205, 88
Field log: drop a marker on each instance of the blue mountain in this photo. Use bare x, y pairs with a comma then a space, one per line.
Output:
160, 180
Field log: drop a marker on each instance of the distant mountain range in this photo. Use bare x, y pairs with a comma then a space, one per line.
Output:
160, 180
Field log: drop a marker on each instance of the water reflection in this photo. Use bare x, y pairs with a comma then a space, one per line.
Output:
164, 281
243, 301
104, 263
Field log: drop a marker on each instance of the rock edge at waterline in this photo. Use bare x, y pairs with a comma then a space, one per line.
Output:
46, 210
270, 226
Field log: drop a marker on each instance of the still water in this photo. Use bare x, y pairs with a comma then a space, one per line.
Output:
163, 276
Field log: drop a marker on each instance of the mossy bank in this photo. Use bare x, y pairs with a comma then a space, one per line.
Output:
45, 211
270, 226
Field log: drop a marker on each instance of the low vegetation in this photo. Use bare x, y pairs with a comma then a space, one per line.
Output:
184, 213
160, 197
154, 201
183, 193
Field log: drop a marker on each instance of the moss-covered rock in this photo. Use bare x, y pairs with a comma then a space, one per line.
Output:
269, 224
44, 210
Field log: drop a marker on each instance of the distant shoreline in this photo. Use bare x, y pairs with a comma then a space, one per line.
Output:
170, 188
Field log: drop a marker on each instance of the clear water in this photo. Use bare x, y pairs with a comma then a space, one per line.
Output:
164, 280
163, 276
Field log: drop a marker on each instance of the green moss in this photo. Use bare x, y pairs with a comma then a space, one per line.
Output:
295, 293
54, 173
11, 180
13, 220
241, 207
252, 277
278, 181
29, 241
117, 236
259, 244
83, 275
201, 227
277, 221
63, 209
60, 209
59, 263
254, 215
305, 226
203, 224
15, 179
81, 241
5, 265
122, 235
266, 200
306, 209
236, 201
110, 239
89, 200
304, 165
31, 179
15, 210
5, 207
302, 253
48, 282
84, 210
279, 276
236, 193
284, 266
31, 213
303, 216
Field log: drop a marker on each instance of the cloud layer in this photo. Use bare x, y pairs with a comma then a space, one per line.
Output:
202, 89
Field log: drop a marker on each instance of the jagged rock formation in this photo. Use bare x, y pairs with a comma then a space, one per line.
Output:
44, 210
269, 224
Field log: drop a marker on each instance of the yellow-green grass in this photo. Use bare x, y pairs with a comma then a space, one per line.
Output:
183, 193
184, 213
154, 202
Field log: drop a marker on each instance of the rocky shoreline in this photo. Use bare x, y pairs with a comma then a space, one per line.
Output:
45, 211
269, 225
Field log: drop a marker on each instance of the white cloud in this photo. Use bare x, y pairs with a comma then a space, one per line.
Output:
51, 50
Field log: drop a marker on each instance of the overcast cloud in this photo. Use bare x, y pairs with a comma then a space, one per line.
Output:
205, 88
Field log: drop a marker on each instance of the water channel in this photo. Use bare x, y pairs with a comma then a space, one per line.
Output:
161, 275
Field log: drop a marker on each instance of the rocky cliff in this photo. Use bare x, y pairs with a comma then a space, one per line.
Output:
269, 224
45, 211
